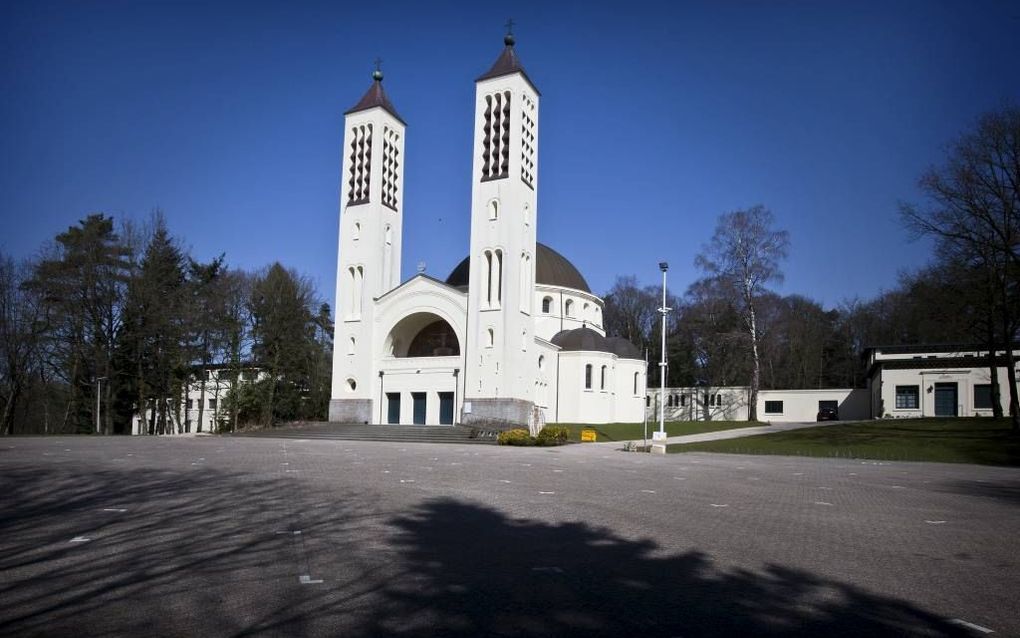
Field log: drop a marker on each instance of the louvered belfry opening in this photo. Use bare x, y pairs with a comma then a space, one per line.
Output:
528, 141
390, 168
361, 165
496, 136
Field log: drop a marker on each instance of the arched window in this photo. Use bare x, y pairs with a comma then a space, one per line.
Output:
493, 209
525, 290
568, 308
350, 346
718, 400
648, 401
359, 291
356, 235
683, 400
547, 305
487, 283
587, 377
491, 338
524, 340
499, 277
527, 215
602, 384
636, 375
352, 385
541, 362
669, 401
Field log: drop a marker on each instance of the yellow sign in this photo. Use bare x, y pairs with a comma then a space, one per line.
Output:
588, 435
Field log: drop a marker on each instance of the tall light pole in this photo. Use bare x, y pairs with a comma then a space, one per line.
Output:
661, 434
99, 386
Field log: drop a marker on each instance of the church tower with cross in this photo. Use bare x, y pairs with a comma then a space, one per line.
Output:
368, 263
501, 287
514, 336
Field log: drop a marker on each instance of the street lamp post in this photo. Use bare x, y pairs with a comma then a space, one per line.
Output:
660, 436
99, 387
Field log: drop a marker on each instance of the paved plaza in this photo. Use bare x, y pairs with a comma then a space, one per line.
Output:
289, 537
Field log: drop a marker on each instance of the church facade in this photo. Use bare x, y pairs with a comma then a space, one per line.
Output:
513, 336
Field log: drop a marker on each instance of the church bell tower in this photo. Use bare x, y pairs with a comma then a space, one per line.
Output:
499, 384
368, 260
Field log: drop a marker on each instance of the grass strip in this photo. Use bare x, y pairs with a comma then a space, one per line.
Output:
633, 431
982, 441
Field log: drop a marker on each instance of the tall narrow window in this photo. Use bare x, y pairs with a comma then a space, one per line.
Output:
350, 345
499, 277
547, 305
352, 292
587, 376
358, 182
636, 375
487, 283
493, 208
524, 340
525, 283
568, 308
356, 235
602, 384
388, 257
491, 338
526, 214
359, 288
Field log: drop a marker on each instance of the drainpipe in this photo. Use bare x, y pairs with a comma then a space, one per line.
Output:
382, 395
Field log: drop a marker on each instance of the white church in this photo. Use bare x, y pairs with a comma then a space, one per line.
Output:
514, 336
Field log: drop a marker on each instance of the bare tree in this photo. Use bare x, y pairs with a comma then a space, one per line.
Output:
974, 213
744, 255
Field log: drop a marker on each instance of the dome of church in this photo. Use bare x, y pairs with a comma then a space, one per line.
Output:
623, 348
581, 339
551, 269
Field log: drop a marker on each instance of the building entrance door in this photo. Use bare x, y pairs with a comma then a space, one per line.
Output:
945, 399
393, 407
418, 400
446, 408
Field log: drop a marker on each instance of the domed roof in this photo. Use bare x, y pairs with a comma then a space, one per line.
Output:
584, 339
551, 269
623, 348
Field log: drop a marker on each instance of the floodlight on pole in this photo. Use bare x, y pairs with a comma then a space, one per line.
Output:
661, 434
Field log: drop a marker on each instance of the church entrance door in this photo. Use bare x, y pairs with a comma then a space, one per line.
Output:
393, 407
418, 400
446, 408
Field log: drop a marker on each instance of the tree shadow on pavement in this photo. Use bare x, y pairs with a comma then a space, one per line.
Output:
471, 571
216, 553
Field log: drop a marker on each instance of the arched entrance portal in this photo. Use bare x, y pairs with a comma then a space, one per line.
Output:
419, 384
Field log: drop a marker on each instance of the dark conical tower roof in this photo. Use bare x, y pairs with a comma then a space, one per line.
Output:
376, 96
506, 64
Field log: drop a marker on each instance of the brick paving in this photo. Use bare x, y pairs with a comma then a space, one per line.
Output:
230, 536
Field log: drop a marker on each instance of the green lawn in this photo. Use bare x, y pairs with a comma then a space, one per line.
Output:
633, 431
966, 440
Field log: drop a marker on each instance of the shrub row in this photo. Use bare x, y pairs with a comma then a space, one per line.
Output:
549, 435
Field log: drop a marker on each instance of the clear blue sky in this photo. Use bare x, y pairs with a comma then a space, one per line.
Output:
655, 118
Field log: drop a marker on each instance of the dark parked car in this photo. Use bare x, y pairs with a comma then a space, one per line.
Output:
828, 414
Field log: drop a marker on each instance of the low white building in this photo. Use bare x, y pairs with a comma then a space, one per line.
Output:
731, 404
902, 382
924, 380
201, 408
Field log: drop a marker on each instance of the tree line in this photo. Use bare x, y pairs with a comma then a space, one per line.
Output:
108, 319
730, 328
